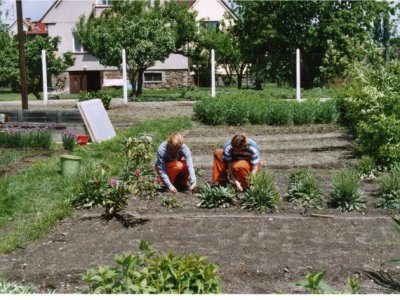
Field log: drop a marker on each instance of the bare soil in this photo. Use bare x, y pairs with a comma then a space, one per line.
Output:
256, 252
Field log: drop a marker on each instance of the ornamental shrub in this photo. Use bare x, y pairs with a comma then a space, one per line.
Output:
389, 189
151, 272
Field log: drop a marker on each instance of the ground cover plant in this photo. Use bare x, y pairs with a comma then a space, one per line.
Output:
346, 194
15, 135
389, 189
33, 200
151, 272
259, 109
216, 196
303, 190
7, 287
262, 194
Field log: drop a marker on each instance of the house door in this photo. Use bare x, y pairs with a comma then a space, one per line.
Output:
77, 82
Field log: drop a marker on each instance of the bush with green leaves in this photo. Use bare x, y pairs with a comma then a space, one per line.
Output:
389, 189
137, 154
103, 95
151, 272
216, 196
262, 194
116, 197
346, 195
261, 109
303, 190
170, 202
145, 183
7, 287
366, 167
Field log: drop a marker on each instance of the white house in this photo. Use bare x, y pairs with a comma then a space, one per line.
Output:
88, 74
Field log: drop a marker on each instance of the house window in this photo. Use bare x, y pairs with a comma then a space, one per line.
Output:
209, 25
103, 2
152, 76
77, 45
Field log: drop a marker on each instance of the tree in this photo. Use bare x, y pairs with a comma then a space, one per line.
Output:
226, 46
148, 31
272, 30
9, 67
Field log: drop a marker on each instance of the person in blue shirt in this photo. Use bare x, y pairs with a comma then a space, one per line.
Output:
174, 164
241, 156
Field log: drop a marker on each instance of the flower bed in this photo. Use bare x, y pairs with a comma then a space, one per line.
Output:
17, 135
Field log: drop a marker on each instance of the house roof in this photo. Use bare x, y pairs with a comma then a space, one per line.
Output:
55, 3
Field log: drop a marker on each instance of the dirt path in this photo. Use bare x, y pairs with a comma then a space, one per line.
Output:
257, 253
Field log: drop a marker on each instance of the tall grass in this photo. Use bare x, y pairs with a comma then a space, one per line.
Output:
260, 109
34, 199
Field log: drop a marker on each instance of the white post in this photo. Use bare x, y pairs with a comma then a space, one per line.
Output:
125, 83
212, 73
44, 76
298, 96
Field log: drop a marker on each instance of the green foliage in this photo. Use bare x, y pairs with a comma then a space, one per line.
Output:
104, 96
68, 140
258, 109
345, 194
319, 28
303, 190
137, 153
145, 183
116, 197
150, 272
170, 202
365, 166
315, 285
34, 44
262, 194
389, 189
19, 137
14, 288
218, 196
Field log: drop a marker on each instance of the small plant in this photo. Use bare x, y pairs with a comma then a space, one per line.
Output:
14, 288
170, 202
213, 197
366, 167
315, 285
69, 140
150, 272
389, 189
116, 197
145, 183
345, 194
303, 190
262, 194
137, 153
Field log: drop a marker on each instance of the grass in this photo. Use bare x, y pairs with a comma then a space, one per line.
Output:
34, 199
196, 93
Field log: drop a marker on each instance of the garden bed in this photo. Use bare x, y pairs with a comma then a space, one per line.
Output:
257, 253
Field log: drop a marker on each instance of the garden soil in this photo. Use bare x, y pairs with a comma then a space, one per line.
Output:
256, 252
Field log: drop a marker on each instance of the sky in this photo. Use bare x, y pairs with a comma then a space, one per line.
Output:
33, 9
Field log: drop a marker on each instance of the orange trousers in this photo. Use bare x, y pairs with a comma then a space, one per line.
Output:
240, 169
177, 172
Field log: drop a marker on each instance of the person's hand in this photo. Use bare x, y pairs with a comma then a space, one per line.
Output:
238, 186
192, 186
173, 189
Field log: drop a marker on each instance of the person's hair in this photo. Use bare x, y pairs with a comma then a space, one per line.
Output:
239, 141
175, 141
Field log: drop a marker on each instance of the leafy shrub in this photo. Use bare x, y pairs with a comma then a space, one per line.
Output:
116, 197
170, 202
137, 154
345, 194
389, 189
150, 272
303, 190
104, 96
69, 139
14, 288
145, 183
213, 197
262, 194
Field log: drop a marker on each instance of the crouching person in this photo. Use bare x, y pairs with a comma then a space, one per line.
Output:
175, 164
241, 156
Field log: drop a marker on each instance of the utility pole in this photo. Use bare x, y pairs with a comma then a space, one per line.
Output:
22, 69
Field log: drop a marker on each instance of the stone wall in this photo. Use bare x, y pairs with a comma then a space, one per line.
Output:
172, 79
